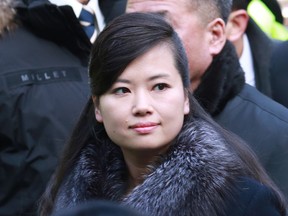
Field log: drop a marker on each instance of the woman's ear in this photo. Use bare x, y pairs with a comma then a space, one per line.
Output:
97, 111
217, 38
186, 103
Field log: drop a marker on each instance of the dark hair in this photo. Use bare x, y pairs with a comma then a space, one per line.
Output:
127, 37
211, 9
240, 4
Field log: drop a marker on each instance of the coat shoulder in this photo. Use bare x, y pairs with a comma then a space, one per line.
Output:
252, 198
254, 106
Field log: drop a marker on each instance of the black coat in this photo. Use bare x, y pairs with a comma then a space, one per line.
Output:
269, 64
279, 73
198, 176
257, 119
43, 88
261, 47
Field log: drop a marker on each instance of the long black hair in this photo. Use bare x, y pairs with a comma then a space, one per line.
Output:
127, 37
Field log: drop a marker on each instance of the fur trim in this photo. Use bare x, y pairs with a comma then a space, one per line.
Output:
7, 14
194, 178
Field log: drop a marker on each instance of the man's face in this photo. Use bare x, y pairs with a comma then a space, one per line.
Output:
187, 23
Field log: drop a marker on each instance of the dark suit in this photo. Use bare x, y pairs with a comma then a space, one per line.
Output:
270, 64
261, 48
279, 74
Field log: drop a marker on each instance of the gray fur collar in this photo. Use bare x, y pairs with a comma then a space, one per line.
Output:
193, 179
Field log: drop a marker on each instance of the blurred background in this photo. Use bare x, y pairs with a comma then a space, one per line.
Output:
284, 6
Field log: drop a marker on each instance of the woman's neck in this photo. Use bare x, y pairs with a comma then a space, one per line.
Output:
138, 166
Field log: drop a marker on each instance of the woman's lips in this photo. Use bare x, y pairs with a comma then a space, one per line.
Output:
144, 128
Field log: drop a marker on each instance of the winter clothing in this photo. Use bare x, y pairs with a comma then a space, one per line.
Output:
198, 176
279, 74
261, 48
257, 119
97, 208
268, 74
43, 88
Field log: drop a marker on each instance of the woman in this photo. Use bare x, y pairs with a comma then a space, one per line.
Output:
152, 147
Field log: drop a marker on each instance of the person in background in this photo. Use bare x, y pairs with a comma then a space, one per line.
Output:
144, 142
268, 16
254, 49
218, 82
44, 53
279, 73
275, 8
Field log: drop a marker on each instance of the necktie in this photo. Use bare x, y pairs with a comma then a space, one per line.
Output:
87, 19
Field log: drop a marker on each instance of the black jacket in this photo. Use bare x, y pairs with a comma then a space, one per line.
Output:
261, 47
198, 176
279, 73
257, 119
43, 88
270, 64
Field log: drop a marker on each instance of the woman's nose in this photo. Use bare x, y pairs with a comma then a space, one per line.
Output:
142, 105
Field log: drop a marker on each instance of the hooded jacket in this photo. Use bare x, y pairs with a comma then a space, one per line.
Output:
198, 176
242, 109
43, 88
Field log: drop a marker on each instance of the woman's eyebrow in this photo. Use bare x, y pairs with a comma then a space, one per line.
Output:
158, 76
122, 81
127, 81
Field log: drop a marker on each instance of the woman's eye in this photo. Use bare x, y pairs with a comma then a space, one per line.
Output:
160, 87
121, 90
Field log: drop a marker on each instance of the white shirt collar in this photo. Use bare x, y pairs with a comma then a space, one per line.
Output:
77, 7
246, 62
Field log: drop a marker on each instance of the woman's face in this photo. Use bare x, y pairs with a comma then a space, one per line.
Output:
145, 107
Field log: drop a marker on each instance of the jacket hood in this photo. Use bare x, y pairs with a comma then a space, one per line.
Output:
7, 15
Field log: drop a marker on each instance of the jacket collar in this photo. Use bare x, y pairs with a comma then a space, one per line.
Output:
222, 81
